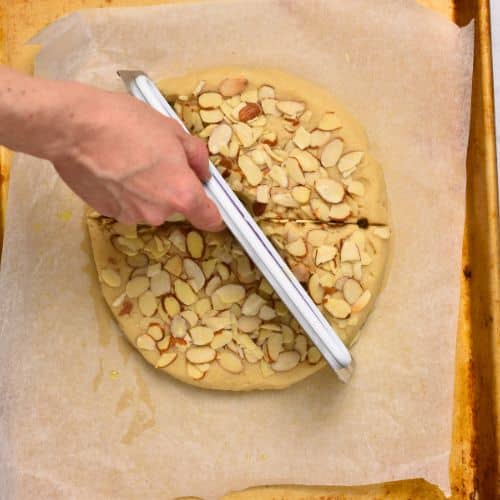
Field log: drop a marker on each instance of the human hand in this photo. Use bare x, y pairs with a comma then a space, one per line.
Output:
128, 161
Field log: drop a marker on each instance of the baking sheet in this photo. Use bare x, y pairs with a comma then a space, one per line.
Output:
83, 416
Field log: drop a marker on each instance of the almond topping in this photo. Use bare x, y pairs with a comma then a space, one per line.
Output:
232, 86
286, 361
249, 112
338, 308
250, 170
166, 359
230, 362
220, 137
329, 121
137, 286
210, 100
203, 354
330, 190
184, 293
331, 153
352, 291
146, 343
111, 278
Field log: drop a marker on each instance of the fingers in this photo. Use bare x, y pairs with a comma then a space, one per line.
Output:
197, 207
197, 155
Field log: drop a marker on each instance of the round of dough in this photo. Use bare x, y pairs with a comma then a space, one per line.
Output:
191, 302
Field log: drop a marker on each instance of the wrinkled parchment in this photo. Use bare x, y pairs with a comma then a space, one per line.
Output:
83, 416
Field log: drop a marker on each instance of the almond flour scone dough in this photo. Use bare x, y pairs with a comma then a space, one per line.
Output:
192, 302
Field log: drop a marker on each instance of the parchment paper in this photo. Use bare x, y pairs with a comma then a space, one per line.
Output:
83, 416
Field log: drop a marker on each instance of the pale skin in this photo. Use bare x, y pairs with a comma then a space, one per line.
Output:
120, 156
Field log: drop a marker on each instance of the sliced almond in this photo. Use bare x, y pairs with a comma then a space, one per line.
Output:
301, 272
297, 248
199, 87
301, 346
179, 327
254, 355
220, 137
301, 194
230, 362
329, 121
291, 108
278, 174
349, 252
177, 238
210, 100
274, 346
171, 306
203, 354
212, 285
195, 274
286, 361
137, 286
201, 335
382, 232
350, 161
184, 292
320, 209
174, 265
250, 170
338, 308
231, 86
167, 358
331, 153
362, 302
249, 112
155, 331
294, 171
262, 193
325, 253
145, 343
147, 303
249, 324
356, 187
223, 271
288, 336
315, 289
327, 280
244, 133
340, 211
284, 198
267, 313
252, 305
195, 244
139, 260
208, 267
269, 107
231, 294
313, 355
190, 316
319, 138
302, 138
153, 269
211, 115
118, 302
221, 339
352, 291
330, 190
110, 277
266, 92
160, 284
316, 237
307, 161
194, 372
